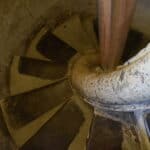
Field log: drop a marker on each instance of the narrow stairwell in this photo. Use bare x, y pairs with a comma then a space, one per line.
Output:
43, 112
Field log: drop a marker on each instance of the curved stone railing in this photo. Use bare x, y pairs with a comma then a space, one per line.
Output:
129, 83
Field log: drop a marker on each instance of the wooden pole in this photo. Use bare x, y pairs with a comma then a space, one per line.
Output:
114, 22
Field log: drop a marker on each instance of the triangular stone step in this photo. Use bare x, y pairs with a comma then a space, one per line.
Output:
54, 49
59, 131
22, 135
42, 69
21, 83
105, 134
88, 25
21, 109
31, 51
79, 142
6, 142
73, 33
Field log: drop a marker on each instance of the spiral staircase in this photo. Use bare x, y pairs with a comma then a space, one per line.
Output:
44, 112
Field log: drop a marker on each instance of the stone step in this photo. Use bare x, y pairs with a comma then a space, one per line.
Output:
32, 51
21, 109
21, 83
22, 135
80, 140
42, 69
54, 49
88, 25
105, 134
73, 33
59, 131
6, 141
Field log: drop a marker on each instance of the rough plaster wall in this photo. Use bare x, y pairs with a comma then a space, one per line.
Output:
19, 21
21, 18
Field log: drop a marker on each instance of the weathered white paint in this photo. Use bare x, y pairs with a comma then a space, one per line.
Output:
127, 84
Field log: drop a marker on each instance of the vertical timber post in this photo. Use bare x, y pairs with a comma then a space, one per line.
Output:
114, 22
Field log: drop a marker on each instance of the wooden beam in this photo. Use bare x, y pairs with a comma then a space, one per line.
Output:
114, 22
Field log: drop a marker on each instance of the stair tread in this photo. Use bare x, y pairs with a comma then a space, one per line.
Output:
22, 135
42, 69
32, 51
73, 33
88, 24
6, 142
24, 108
59, 131
54, 49
105, 134
21, 83
80, 140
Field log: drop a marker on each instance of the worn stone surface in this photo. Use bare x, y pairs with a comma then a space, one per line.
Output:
88, 25
105, 134
130, 138
42, 69
73, 33
21, 83
31, 51
126, 118
21, 135
59, 131
6, 141
81, 137
24, 108
54, 49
